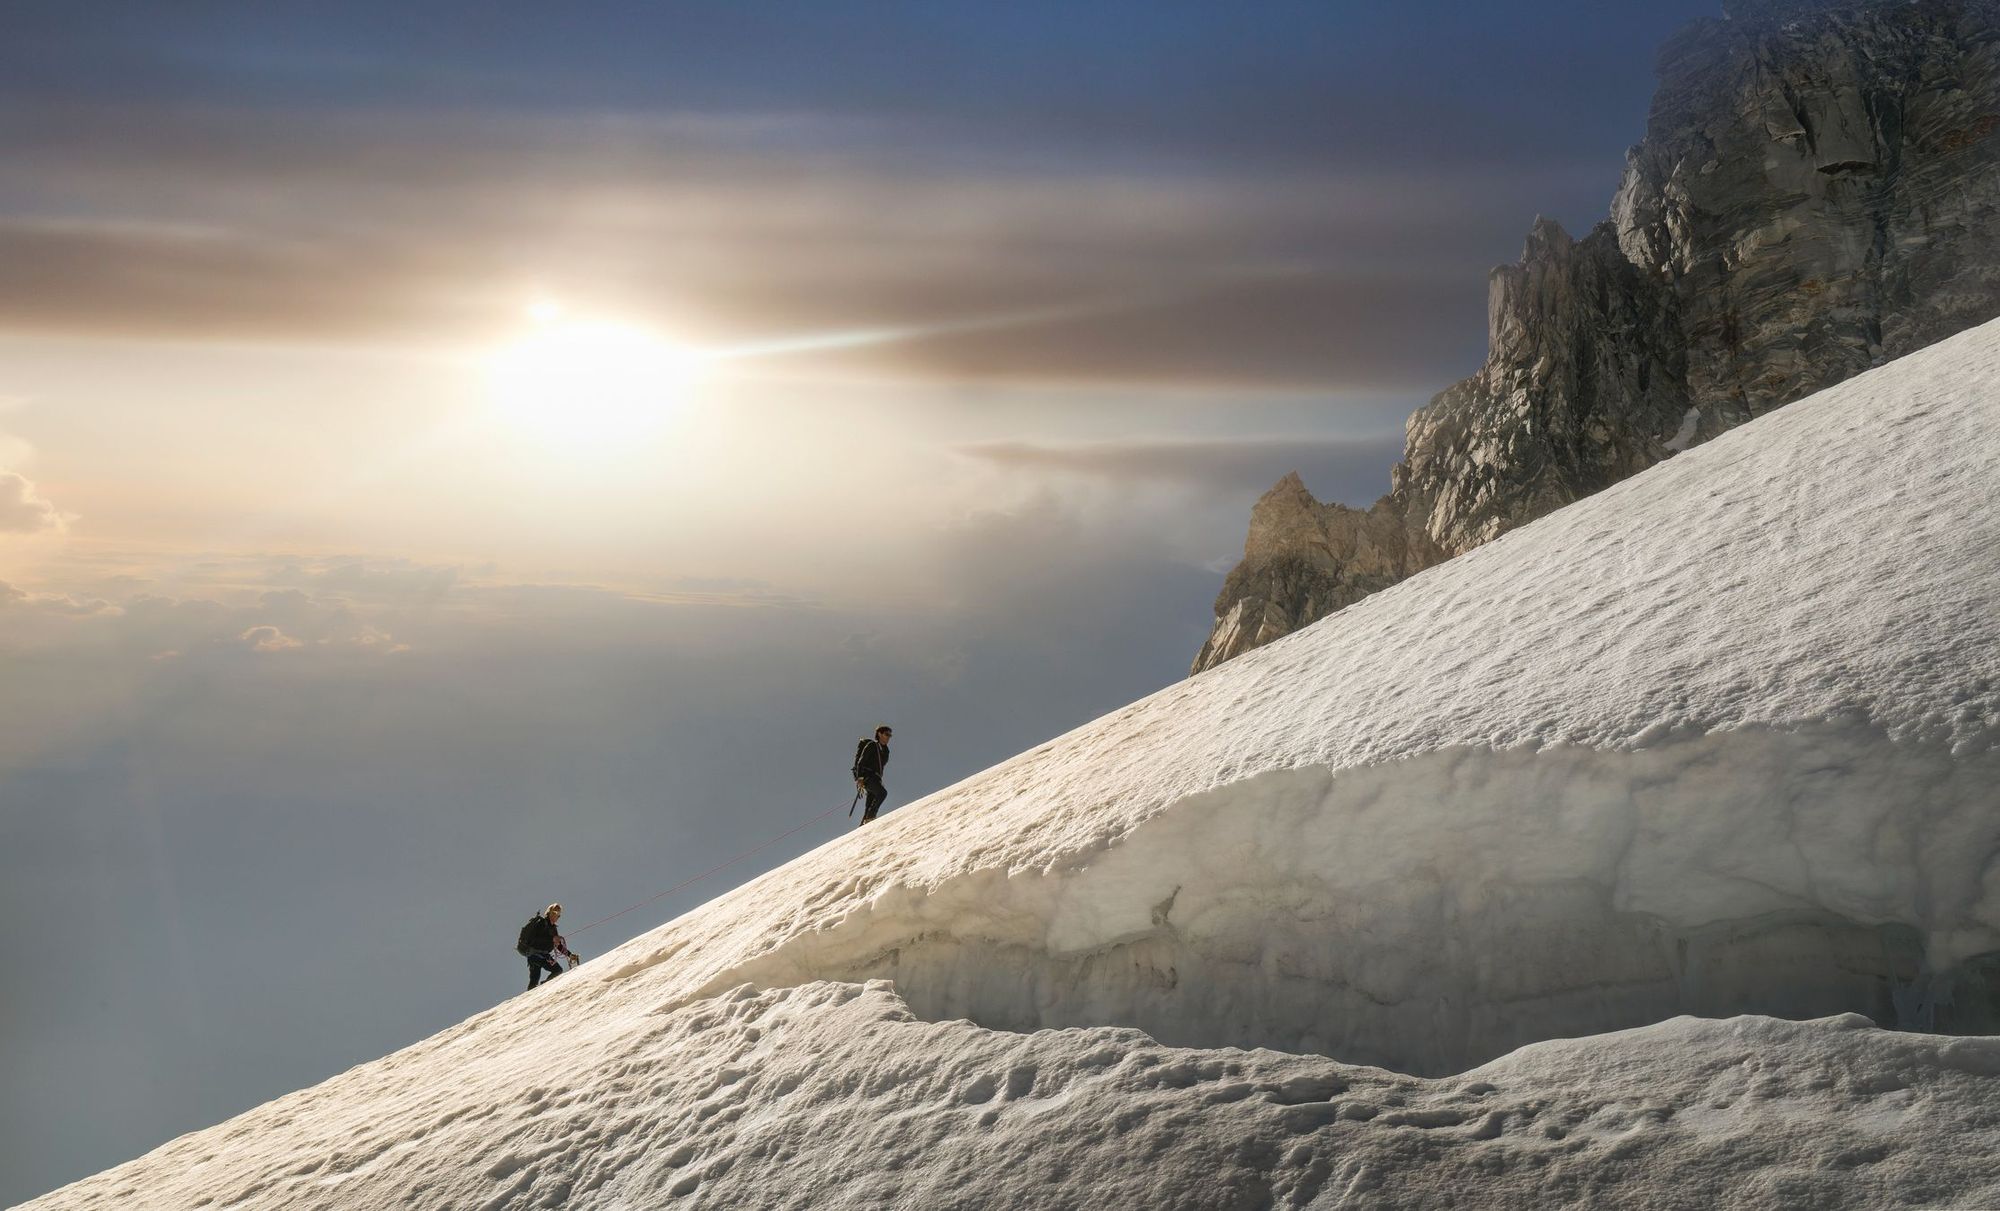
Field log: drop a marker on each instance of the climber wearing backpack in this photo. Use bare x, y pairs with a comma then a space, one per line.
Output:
539, 943
871, 757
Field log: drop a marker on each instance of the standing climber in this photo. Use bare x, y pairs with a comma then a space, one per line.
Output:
871, 757
539, 943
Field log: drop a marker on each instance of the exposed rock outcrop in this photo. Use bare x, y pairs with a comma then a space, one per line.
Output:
1303, 560
1816, 194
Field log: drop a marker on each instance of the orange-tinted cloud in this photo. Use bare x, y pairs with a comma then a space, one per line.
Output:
1339, 468
434, 230
22, 509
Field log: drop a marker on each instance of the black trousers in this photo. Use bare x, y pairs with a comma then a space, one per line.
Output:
540, 961
876, 793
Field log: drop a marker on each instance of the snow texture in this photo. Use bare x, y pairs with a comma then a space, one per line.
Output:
1718, 740
1684, 436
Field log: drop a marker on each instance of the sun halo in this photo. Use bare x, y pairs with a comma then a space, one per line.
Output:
587, 383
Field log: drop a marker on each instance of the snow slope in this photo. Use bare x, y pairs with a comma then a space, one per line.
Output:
1719, 740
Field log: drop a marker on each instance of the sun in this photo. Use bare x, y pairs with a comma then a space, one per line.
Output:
587, 383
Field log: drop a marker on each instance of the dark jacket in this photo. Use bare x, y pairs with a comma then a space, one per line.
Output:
539, 935
873, 759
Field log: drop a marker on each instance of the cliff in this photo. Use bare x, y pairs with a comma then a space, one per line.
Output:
1815, 195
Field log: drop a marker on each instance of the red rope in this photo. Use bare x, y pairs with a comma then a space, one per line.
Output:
692, 879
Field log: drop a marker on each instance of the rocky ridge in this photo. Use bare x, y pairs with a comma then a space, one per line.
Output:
1815, 195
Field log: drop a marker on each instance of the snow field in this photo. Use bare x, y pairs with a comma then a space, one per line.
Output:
1721, 738
835, 1096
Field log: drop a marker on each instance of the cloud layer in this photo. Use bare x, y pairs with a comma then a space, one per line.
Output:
1343, 469
1322, 216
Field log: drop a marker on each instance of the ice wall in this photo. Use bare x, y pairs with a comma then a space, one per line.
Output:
1431, 914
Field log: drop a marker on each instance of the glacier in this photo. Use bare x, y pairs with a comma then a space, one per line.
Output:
1501, 887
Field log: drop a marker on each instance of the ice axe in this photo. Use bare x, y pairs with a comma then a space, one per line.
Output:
857, 799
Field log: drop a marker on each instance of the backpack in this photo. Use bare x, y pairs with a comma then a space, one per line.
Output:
859, 749
521, 942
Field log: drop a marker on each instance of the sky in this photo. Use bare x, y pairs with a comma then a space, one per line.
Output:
459, 456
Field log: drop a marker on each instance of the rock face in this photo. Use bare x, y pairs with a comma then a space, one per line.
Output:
1303, 560
1816, 194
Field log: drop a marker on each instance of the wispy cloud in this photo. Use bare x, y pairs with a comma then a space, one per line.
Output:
1338, 467
266, 638
23, 510
375, 579
12, 598
267, 603
431, 229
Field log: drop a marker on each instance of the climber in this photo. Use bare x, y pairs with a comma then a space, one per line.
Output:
871, 757
539, 943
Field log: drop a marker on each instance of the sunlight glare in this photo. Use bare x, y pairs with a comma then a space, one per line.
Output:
587, 383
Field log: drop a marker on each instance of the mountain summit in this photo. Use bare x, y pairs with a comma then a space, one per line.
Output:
1817, 192
1720, 740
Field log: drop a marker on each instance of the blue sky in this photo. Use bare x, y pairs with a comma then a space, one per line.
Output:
317, 672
